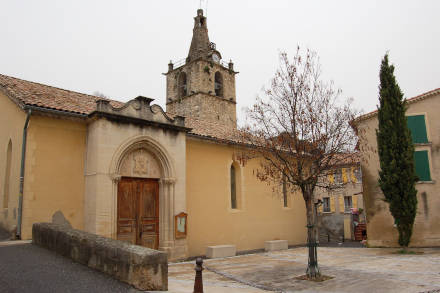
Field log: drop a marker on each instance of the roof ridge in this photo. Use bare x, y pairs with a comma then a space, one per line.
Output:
424, 94
58, 88
410, 100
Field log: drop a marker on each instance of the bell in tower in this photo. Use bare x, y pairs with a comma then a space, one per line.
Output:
202, 86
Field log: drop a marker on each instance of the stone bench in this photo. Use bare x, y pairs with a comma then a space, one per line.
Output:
141, 267
273, 245
220, 251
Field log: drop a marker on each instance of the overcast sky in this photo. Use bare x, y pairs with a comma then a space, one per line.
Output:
120, 48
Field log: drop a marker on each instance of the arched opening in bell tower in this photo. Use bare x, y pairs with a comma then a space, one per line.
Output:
182, 84
218, 84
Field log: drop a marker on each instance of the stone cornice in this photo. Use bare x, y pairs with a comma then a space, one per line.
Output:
201, 93
138, 111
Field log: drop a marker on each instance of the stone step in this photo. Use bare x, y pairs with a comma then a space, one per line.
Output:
273, 245
218, 251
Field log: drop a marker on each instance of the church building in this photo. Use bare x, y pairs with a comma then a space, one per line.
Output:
168, 180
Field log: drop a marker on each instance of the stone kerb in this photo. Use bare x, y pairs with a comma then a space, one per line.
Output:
219, 251
273, 245
143, 268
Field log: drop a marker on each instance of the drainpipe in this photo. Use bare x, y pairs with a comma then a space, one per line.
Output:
23, 155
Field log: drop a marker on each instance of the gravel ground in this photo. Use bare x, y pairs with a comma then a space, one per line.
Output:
28, 268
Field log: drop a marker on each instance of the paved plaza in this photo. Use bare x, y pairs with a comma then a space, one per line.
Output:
27, 268
354, 270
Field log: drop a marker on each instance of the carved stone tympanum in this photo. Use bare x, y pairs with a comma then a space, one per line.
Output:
140, 163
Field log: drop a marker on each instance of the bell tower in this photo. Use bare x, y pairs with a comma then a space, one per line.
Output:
202, 86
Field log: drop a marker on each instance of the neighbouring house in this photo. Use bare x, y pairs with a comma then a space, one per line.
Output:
341, 216
131, 171
424, 123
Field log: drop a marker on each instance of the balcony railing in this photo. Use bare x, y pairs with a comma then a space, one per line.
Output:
182, 62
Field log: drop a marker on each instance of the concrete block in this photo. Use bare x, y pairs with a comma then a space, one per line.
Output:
220, 251
273, 245
141, 267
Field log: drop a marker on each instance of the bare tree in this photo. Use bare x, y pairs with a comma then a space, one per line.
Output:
300, 127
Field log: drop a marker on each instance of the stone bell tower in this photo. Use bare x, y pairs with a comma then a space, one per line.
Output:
202, 86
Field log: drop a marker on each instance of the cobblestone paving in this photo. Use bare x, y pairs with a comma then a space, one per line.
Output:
354, 270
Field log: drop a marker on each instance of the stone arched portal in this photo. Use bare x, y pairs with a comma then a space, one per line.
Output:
142, 164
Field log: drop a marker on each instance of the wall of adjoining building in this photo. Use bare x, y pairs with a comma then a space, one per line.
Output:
380, 223
336, 224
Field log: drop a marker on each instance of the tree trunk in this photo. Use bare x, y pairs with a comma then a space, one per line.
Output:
312, 268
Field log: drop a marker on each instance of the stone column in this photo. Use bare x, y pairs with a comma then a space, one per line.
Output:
114, 206
166, 216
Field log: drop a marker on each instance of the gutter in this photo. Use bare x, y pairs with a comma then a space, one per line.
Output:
22, 165
54, 111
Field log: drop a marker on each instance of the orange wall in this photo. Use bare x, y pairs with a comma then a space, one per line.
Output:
260, 217
11, 128
54, 174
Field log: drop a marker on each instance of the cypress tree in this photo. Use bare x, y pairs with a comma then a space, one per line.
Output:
397, 175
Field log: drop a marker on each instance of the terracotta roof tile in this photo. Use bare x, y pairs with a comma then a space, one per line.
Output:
37, 94
41, 95
212, 130
346, 159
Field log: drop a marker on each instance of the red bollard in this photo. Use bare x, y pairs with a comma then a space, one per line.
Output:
198, 282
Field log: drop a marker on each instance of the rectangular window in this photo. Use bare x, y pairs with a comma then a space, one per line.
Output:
422, 165
417, 126
233, 189
338, 176
326, 204
356, 175
348, 203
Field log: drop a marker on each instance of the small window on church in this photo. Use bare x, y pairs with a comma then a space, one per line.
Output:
285, 192
233, 189
218, 84
183, 88
285, 199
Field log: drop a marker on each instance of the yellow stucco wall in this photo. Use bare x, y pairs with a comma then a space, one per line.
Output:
54, 174
260, 217
11, 126
380, 229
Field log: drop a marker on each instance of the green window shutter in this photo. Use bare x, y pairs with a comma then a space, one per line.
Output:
422, 165
417, 126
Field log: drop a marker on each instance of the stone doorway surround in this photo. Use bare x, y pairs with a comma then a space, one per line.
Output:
142, 157
136, 140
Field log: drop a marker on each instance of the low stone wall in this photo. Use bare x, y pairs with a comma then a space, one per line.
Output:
143, 268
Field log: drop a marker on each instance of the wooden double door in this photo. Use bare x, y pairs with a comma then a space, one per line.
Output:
138, 211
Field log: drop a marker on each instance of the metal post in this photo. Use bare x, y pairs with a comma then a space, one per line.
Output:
198, 282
